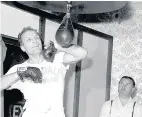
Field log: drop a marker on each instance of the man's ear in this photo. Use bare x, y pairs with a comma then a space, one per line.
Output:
133, 89
134, 92
22, 48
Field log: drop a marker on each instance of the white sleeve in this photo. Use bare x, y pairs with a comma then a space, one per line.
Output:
17, 84
105, 109
59, 59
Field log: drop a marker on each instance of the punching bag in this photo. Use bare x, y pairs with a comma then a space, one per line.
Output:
65, 33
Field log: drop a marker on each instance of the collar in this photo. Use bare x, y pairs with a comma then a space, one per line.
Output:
130, 100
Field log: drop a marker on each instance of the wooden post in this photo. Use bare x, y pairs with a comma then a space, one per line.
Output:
42, 22
1, 73
109, 66
77, 79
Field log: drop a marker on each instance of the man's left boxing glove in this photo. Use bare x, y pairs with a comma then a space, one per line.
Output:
30, 73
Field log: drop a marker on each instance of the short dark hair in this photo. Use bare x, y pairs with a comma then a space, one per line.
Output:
128, 77
23, 31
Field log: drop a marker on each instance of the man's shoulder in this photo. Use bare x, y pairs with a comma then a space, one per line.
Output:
19, 64
14, 67
110, 101
139, 105
107, 103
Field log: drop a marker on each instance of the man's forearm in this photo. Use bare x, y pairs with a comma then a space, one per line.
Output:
7, 80
76, 51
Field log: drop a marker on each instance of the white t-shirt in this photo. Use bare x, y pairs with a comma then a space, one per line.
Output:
44, 99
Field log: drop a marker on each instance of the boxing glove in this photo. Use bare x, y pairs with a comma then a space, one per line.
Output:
49, 52
30, 73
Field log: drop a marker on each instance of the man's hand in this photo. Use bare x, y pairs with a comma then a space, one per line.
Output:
30, 73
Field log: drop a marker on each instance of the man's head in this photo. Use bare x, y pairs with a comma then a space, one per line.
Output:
30, 41
126, 86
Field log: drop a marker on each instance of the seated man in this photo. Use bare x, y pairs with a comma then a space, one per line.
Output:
123, 105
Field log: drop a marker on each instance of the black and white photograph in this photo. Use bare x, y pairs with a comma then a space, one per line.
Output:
71, 58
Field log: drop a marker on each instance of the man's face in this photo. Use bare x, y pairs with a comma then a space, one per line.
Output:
125, 87
31, 43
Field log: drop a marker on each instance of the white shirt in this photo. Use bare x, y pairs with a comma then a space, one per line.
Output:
118, 110
45, 99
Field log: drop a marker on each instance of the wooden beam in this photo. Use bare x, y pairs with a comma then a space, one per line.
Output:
92, 31
77, 79
1, 74
42, 22
10, 40
109, 66
57, 19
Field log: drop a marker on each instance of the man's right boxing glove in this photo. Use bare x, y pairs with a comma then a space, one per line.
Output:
30, 73
49, 52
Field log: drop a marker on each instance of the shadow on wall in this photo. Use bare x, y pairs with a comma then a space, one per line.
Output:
87, 63
93, 82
